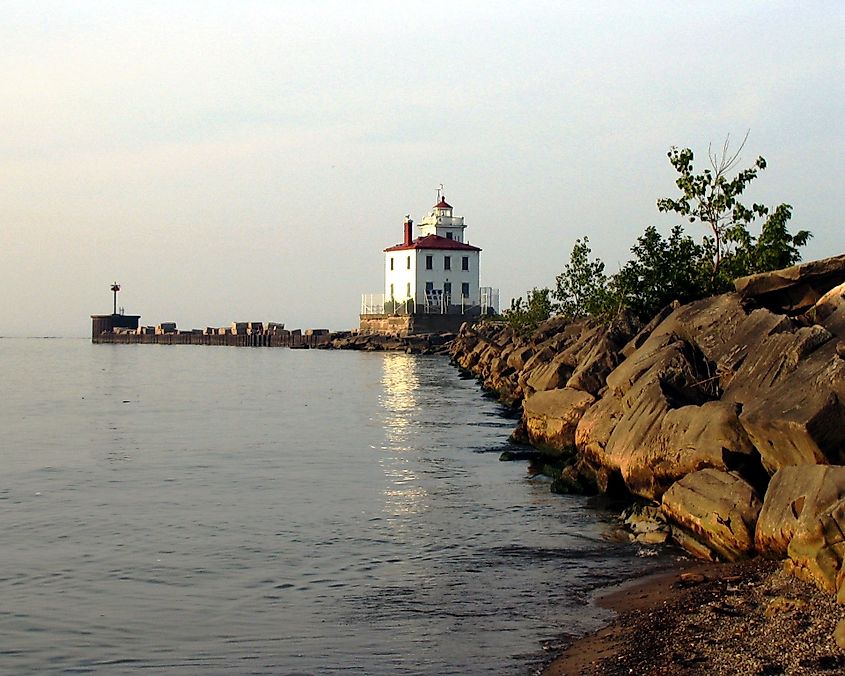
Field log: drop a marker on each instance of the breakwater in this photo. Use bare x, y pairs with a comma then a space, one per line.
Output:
429, 343
292, 339
723, 418
125, 330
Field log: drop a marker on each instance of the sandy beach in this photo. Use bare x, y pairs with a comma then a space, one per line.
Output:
743, 618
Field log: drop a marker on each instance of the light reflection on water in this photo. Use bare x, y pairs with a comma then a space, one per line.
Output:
401, 386
218, 509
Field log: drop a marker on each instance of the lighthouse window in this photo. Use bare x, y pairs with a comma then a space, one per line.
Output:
391, 262
465, 289
391, 287
429, 262
408, 289
465, 263
449, 235
409, 262
447, 262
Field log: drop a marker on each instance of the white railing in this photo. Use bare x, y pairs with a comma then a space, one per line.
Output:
372, 304
435, 302
489, 300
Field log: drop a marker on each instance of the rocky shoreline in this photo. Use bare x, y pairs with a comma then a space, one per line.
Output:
424, 343
722, 421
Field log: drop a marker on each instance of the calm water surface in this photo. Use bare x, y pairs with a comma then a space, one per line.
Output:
211, 509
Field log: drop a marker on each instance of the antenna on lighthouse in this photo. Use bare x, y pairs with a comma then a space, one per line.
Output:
439, 193
115, 287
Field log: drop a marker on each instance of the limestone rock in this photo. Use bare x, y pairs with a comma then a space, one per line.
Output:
598, 351
739, 382
801, 419
795, 497
839, 634
552, 416
647, 524
817, 550
692, 579
785, 375
830, 311
717, 510
593, 432
783, 604
694, 437
518, 356
642, 335
656, 425
549, 328
550, 376
593, 363
796, 288
829, 303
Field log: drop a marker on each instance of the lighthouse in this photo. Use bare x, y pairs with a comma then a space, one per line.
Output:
431, 281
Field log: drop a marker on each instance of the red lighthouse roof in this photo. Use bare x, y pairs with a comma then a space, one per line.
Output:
442, 204
434, 242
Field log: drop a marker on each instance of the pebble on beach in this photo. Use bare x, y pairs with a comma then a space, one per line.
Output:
745, 618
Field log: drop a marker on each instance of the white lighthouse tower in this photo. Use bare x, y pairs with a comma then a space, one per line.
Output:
436, 273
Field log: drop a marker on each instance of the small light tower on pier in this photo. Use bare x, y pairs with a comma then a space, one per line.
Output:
101, 324
115, 287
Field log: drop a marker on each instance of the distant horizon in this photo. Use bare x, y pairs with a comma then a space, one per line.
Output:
227, 162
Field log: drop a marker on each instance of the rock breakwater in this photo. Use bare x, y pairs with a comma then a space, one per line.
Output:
424, 343
727, 413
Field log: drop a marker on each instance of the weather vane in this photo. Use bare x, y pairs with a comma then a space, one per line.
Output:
440, 193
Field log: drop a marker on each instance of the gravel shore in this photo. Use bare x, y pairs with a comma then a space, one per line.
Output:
744, 618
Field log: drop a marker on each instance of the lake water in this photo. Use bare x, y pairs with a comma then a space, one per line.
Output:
219, 509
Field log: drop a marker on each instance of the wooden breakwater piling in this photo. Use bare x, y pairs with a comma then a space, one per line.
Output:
300, 340
237, 336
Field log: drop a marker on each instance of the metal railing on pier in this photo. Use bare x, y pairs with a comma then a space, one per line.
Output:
435, 302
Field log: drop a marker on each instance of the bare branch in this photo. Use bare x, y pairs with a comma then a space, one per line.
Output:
731, 163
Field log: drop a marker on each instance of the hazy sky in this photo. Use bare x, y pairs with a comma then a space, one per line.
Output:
250, 160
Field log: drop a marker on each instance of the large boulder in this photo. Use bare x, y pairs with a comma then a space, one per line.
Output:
501, 378
517, 357
551, 417
799, 417
794, 499
784, 374
659, 420
713, 514
540, 357
468, 357
738, 382
817, 550
796, 288
549, 376
594, 429
598, 351
694, 437
828, 304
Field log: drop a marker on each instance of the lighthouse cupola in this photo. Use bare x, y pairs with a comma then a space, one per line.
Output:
441, 222
443, 209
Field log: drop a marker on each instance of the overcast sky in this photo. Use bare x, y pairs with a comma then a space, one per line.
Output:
250, 160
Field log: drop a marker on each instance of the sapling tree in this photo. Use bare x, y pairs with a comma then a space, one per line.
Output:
525, 315
712, 197
661, 271
583, 289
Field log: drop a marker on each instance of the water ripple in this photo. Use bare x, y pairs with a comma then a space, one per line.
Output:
274, 511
